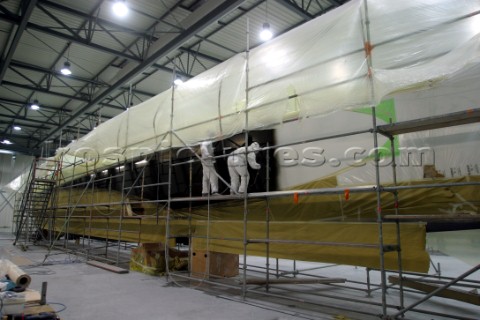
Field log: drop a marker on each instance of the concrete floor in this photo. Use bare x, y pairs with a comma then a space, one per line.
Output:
87, 292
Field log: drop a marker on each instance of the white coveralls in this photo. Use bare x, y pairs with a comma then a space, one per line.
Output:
209, 173
237, 167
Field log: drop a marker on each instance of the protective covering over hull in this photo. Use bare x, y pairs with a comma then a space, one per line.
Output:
335, 62
365, 64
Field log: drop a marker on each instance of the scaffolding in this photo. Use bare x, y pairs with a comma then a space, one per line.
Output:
33, 211
105, 225
123, 231
418, 281
113, 223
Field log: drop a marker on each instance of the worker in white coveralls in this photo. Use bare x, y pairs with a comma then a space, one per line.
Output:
237, 167
210, 177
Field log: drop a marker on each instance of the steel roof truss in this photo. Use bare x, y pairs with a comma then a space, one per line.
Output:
294, 7
26, 125
34, 83
125, 47
27, 10
54, 18
77, 93
6, 108
8, 13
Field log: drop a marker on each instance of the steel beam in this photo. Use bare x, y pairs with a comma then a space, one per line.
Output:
74, 39
292, 6
201, 55
434, 122
22, 124
20, 103
27, 12
197, 21
58, 94
31, 67
20, 149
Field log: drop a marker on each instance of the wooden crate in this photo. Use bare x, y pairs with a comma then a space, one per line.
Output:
220, 264
149, 258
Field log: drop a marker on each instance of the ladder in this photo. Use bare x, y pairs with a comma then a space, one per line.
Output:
32, 214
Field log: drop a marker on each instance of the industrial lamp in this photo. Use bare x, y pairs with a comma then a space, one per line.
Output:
5, 141
120, 8
266, 33
35, 105
178, 81
66, 69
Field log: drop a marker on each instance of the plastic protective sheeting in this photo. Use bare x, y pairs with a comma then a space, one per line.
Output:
11, 166
357, 207
307, 241
414, 53
447, 200
335, 242
324, 64
15, 274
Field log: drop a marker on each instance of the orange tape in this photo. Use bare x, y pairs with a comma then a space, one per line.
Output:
295, 198
368, 48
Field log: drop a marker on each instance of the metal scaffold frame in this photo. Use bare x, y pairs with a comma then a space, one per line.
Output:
32, 212
470, 116
110, 247
378, 189
100, 248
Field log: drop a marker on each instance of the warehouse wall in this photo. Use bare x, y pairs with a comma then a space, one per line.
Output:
460, 244
11, 166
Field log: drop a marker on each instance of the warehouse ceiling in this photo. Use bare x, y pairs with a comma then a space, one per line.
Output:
116, 62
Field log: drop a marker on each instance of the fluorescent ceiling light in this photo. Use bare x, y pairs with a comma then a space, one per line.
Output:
5, 141
120, 8
66, 69
17, 128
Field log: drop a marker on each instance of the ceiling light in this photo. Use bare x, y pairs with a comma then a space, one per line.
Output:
66, 69
5, 141
120, 8
141, 163
17, 128
178, 81
266, 33
35, 105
